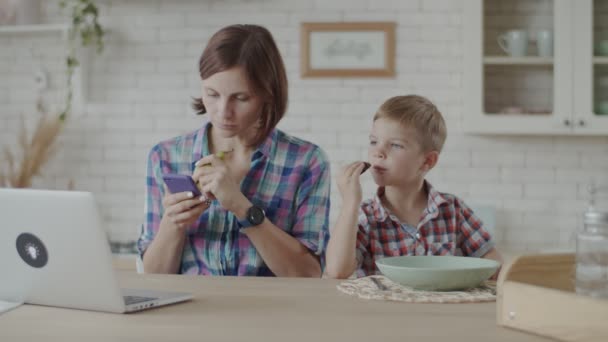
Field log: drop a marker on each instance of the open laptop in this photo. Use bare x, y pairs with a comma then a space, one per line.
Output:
53, 251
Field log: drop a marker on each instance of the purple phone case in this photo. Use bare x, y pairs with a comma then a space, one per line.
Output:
180, 183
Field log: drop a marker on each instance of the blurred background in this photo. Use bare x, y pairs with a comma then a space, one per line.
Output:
527, 123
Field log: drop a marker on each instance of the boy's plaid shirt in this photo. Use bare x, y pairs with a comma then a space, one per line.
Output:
447, 227
289, 178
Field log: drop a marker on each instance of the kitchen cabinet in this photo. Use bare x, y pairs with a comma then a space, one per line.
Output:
563, 93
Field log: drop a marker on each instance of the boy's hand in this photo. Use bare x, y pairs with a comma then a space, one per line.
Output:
349, 183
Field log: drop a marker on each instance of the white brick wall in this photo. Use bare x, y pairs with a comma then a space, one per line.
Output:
140, 91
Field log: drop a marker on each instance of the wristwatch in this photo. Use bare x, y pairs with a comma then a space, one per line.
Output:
255, 216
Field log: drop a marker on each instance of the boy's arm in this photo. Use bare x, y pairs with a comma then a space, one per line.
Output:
340, 256
494, 255
477, 241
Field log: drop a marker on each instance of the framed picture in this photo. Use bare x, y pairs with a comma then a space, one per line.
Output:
354, 49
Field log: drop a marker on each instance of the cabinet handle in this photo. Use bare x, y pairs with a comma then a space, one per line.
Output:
567, 122
581, 122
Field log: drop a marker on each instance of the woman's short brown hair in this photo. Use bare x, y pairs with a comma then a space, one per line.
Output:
252, 48
421, 114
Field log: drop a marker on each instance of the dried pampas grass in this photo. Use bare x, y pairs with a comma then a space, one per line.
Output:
35, 151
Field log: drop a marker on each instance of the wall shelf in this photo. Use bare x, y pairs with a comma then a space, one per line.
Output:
11, 29
499, 60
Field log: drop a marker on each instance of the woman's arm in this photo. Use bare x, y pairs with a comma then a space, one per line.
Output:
164, 255
284, 255
293, 251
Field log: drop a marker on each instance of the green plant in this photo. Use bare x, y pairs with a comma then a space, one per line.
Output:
84, 25
38, 149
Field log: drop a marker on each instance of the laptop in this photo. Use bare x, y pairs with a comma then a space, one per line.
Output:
54, 252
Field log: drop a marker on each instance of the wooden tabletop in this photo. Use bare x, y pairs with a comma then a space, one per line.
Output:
260, 309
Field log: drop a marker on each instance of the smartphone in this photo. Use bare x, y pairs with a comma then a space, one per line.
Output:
180, 183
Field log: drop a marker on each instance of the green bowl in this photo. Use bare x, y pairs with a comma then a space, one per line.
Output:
437, 273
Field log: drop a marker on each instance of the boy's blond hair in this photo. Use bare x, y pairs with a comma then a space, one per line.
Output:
419, 113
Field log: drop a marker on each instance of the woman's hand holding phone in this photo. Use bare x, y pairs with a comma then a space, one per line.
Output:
183, 203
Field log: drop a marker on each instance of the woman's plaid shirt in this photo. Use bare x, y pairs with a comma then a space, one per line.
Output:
289, 178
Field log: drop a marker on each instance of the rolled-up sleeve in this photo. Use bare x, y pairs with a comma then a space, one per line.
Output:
311, 223
474, 241
362, 255
153, 210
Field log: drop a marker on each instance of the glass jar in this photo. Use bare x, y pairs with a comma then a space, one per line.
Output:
592, 254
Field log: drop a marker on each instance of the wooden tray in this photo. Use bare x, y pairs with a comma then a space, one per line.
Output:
536, 294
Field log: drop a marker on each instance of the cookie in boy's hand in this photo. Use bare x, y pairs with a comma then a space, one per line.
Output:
367, 166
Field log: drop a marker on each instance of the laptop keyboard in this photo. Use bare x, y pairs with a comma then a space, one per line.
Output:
137, 299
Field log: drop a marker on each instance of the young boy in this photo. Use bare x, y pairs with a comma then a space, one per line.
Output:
407, 216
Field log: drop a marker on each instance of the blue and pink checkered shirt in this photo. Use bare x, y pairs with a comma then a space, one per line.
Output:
447, 227
289, 178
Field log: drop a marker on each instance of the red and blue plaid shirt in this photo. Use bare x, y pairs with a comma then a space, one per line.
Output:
289, 178
447, 227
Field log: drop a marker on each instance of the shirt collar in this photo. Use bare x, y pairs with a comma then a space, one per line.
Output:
380, 213
268, 146
435, 200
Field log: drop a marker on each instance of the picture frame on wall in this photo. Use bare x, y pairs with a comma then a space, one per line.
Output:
348, 49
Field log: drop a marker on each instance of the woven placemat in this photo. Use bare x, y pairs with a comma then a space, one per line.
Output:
367, 288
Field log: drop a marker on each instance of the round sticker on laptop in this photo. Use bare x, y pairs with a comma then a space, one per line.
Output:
32, 250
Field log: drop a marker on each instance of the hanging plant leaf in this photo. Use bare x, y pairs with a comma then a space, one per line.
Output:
86, 29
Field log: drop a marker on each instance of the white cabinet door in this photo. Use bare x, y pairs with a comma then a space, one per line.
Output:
590, 70
564, 60
486, 67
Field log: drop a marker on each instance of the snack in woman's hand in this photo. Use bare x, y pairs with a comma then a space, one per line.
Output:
221, 155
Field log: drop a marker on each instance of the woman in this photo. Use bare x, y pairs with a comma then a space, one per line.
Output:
265, 205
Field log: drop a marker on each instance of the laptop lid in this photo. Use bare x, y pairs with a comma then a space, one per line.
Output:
54, 252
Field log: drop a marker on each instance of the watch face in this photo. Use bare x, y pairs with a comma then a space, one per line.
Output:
256, 215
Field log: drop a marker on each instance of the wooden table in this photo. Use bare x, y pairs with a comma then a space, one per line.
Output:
260, 309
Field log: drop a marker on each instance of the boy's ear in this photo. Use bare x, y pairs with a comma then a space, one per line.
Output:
430, 160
